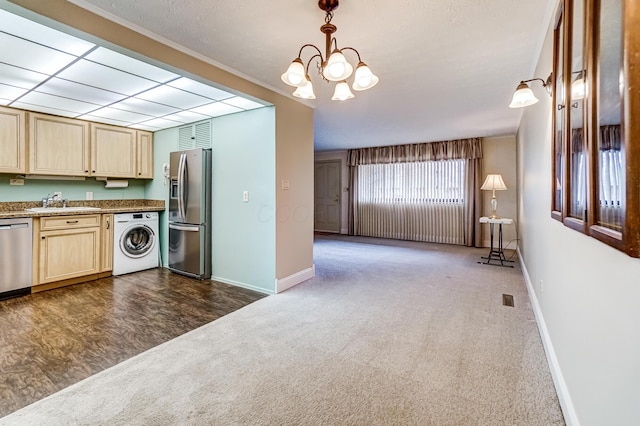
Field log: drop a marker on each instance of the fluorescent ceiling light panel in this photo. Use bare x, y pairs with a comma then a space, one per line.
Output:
24, 28
57, 102
145, 107
20, 77
81, 92
32, 56
173, 97
242, 103
102, 77
116, 60
118, 114
186, 117
11, 92
41, 108
90, 117
216, 109
160, 123
201, 89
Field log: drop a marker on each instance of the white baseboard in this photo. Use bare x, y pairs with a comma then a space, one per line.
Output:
568, 409
243, 285
295, 279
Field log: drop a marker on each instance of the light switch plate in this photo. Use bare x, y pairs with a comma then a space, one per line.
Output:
285, 184
245, 196
89, 195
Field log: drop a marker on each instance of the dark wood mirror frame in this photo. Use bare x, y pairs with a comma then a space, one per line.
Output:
627, 238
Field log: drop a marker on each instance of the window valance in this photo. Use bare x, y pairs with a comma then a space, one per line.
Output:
431, 151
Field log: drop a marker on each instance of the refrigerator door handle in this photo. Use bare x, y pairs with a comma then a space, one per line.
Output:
189, 228
181, 183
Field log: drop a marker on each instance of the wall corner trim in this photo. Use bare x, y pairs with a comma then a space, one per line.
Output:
295, 279
568, 409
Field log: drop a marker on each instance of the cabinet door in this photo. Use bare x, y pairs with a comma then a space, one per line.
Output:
145, 155
106, 250
113, 151
58, 146
69, 253
12, 141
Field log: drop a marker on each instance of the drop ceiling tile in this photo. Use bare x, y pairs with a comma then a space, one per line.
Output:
81, 92
201, 89
186, 117
216, 109
116, 60
20, 77
173, 97
143, 127
242, 103
160, 123
145, 107
41, 108
118, 114
58, 102
41, 34
32, 56
91, 117
103, 77
11, 92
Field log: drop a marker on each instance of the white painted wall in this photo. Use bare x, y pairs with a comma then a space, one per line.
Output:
588, 293
499, 157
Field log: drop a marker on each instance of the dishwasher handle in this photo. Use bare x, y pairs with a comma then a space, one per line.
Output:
14, 226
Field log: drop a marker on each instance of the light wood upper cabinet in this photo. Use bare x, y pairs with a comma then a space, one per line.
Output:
69, 247
106, 254
12, 141
58, 145
113, 151
145, 155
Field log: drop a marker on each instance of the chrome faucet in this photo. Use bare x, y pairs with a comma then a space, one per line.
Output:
47, 200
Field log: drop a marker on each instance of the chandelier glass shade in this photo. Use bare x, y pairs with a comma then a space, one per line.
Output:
332, 66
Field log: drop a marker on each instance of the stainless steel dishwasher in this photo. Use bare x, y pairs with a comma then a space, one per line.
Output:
15, 257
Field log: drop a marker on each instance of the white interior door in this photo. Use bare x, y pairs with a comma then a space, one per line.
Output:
328, 196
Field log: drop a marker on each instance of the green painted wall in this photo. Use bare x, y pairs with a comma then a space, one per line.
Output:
243, 243
36, 189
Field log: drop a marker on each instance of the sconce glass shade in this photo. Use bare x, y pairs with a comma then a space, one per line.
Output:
337, 67
364, 79
295, 75
523, 97
578, 88
306, 91
342, 92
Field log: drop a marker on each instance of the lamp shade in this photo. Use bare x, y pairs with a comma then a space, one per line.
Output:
365, 79
337, 67
342, 92
523, 97
295, 75
494, 183
306, 91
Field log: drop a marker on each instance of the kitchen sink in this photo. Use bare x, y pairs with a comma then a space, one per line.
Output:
61, 209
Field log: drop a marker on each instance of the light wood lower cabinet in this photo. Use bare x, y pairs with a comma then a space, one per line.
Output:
106, 251
68, 247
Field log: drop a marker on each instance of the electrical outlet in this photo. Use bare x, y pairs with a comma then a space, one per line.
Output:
245, 196
89, 195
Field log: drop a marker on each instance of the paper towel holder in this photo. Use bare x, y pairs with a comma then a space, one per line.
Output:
116, 183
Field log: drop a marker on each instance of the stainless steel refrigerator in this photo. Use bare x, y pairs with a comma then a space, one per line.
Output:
190, 213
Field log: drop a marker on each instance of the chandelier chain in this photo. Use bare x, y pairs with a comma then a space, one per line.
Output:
328, 17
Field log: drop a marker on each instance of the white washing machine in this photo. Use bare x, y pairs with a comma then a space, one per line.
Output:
136, 242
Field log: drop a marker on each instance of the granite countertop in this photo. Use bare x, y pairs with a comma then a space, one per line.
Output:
16, 209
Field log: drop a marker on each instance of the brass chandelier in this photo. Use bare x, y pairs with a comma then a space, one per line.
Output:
333, 66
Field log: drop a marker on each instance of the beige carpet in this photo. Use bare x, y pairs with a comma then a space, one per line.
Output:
387, 333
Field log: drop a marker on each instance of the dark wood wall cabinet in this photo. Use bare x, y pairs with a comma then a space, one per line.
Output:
596, 120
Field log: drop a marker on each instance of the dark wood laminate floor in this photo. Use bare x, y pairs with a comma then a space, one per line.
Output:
53, 339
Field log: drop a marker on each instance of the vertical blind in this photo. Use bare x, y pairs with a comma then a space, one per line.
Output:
422, 201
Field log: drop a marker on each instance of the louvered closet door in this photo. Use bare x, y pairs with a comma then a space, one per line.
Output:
198, 135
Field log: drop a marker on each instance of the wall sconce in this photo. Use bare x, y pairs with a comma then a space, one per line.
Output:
578, 87
523, 96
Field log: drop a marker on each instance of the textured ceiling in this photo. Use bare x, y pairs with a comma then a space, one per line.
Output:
447, 69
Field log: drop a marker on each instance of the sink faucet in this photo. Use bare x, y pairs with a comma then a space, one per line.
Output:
47, 200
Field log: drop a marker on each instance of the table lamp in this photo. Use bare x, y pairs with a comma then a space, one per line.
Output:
494, 183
